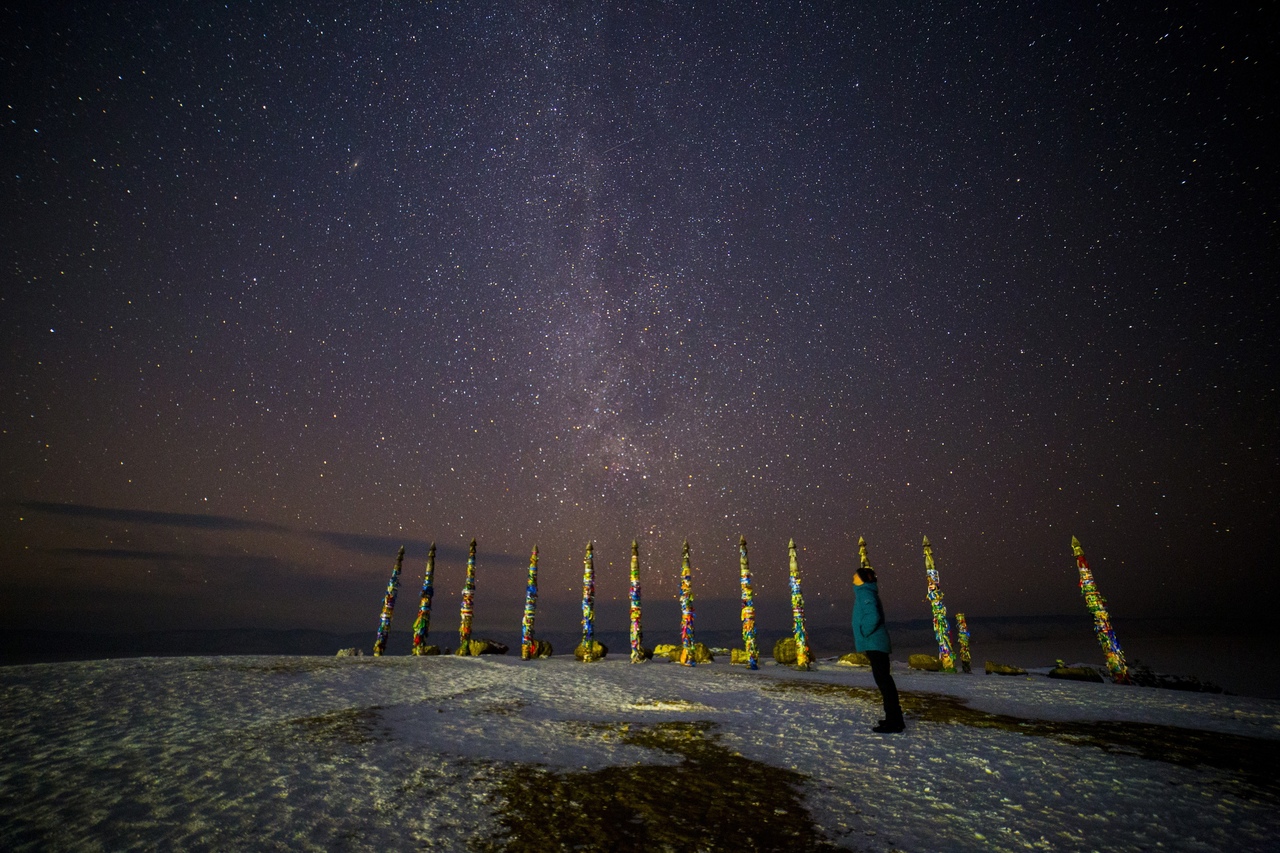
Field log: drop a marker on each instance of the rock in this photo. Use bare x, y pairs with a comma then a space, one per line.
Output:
474, 648
854, 659
541, 649
487, 647
427, 651
596, 651
666, 650
645, 654
784, 651
350, 653
1077, 673
928, 663
994, 668
701, 654
738, 656
718, 651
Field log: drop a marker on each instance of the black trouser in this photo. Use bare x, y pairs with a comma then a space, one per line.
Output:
889, 690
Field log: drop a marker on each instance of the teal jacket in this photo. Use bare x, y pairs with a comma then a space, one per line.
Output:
869, 631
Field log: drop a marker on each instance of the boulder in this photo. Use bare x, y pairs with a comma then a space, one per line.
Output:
928, 663
350, 653
541, 649
738, 656
784, 651
1076, 673
595, 651
994, 668
701, 654
474, 648
488, 647
666, 650
427, 651
645, 654
854, 659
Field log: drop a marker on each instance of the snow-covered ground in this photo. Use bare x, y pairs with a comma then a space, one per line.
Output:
488, 753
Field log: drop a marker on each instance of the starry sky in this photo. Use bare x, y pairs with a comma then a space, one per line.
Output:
289, 285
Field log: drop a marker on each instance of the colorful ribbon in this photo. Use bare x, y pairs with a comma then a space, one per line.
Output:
748, 607
530, 605
388, 607
422, 625
637, 636
686, 609
468, 596
1101, 622
588, 598
941, 630
803, 654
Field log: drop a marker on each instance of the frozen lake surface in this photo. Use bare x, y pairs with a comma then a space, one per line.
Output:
445, 753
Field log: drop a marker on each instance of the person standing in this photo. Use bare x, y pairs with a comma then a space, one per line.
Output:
871, 637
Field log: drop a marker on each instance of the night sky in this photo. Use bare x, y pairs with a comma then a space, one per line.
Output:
289, 285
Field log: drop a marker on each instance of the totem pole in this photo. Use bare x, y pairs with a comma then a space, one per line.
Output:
388, 607
803, 655
422, 625
1101, 622
941, 630
637, 636
686, 609
530, 604
748, 607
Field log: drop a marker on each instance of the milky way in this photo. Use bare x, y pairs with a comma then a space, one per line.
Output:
287, 285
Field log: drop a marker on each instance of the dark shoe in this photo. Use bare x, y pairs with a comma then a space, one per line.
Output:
889, 727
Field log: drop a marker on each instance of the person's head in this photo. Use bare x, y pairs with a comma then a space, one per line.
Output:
865, 574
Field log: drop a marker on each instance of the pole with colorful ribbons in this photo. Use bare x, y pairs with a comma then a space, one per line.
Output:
588, 600
941, 630
1101, 621
748, 607
803, 654
530, 604
388, 607
422, 625
962, 635
637, 635
468, 603
686, 609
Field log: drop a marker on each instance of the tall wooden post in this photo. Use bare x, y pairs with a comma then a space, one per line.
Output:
530, 604
748, 607
686, 609
422, 625
1101, 621
588, 598
962, 635
388, 607
468, 603
803, 655
941, 630
637, 635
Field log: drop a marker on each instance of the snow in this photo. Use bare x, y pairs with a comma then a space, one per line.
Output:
393, 752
